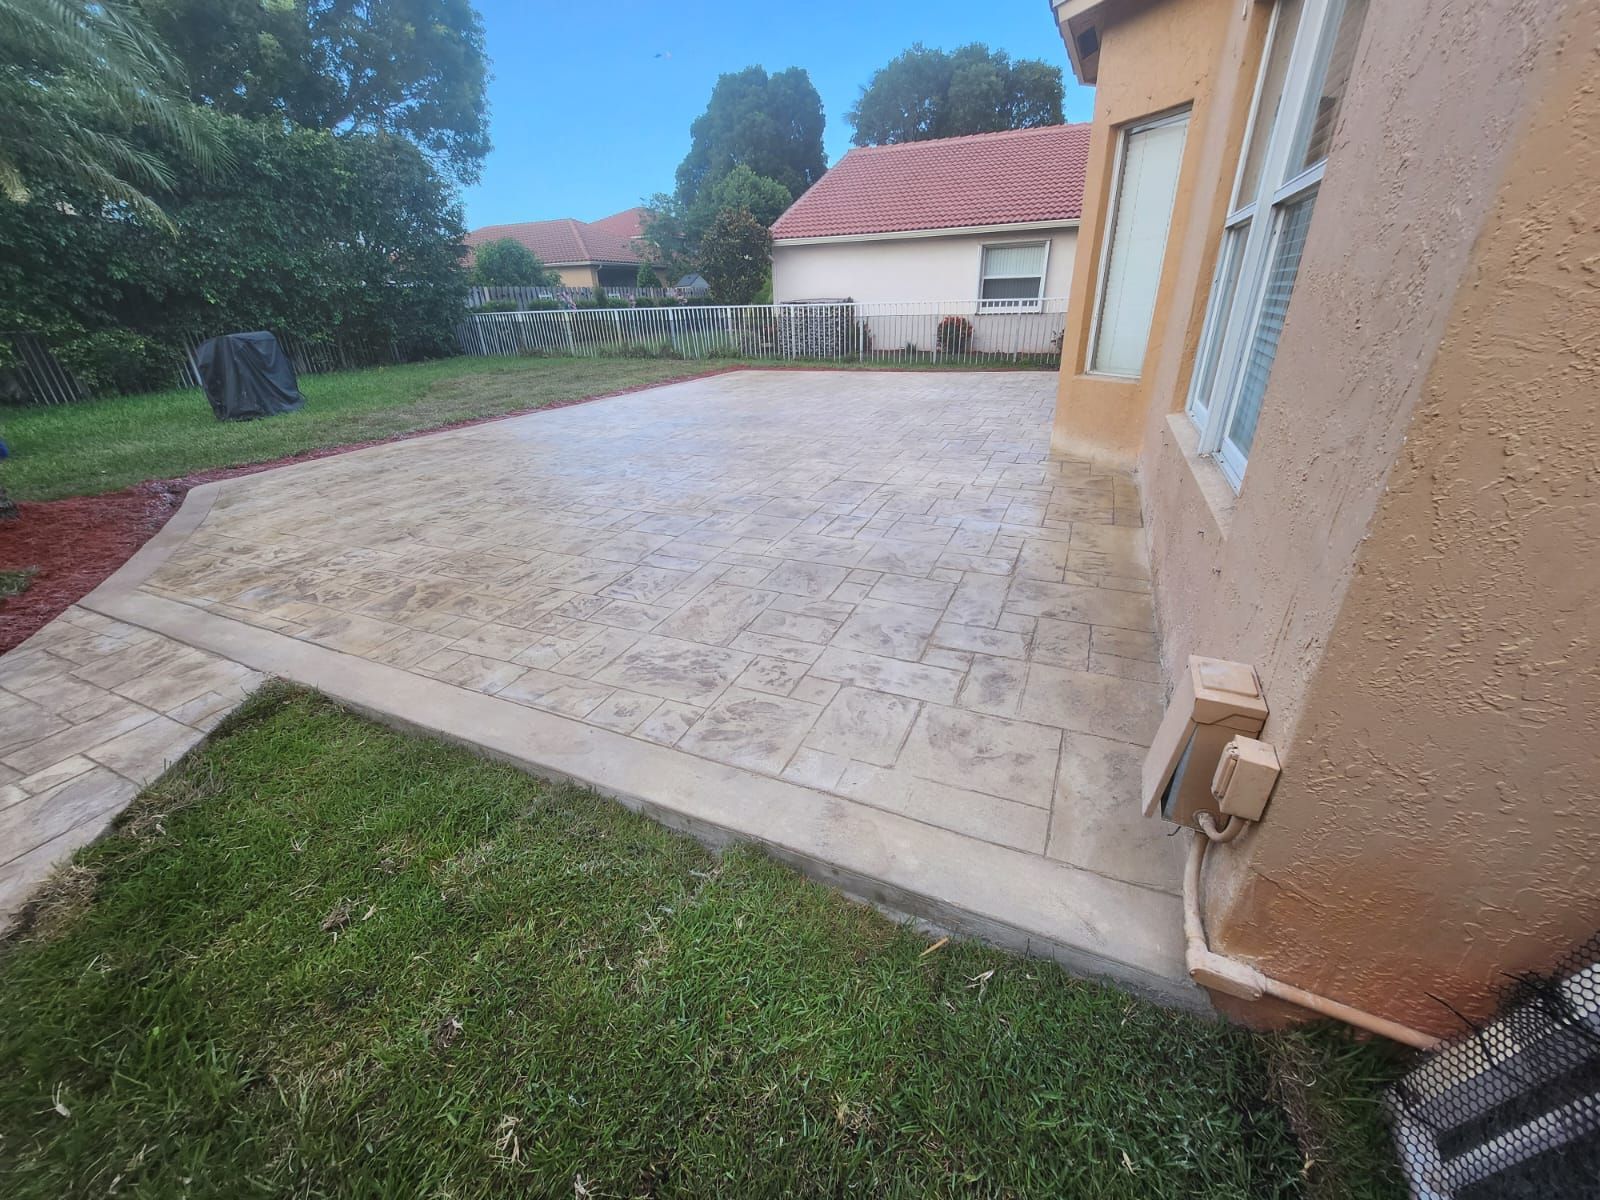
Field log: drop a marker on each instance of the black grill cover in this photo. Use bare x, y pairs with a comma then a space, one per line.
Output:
247, 375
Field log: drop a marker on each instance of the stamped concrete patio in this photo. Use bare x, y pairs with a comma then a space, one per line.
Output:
864, 618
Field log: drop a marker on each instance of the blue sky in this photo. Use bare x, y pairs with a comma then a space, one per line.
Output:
586, 120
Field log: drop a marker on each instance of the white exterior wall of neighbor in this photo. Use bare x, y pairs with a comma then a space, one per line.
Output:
897, 267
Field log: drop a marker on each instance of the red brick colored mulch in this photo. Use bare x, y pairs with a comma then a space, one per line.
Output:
75, 543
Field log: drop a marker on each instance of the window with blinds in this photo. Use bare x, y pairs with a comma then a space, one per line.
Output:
1312, 53
1288, 244
1013, 275
1136, 243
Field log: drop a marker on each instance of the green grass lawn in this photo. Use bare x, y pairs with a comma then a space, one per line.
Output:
103, 445
325, 959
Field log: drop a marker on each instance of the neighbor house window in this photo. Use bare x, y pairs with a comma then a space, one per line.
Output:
1310, 53
1143, 186
1013, 275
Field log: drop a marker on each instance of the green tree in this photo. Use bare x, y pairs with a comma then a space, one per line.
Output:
354, 237
675, 230
736, 257
770, 123
646, 276
666, 232
763, 198
415, 68
506, 262
84, 87
923, 93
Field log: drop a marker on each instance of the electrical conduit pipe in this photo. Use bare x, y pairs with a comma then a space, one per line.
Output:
1224, 974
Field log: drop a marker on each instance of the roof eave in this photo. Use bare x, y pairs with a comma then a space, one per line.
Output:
1080, 22
940, 231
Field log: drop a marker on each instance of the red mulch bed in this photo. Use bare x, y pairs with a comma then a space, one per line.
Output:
75, 543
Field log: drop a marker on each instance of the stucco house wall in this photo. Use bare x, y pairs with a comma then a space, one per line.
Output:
908, 268
1408, 562
579, 276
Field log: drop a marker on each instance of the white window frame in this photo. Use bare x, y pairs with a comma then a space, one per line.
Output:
1174, 117
1017, 305
1230, 319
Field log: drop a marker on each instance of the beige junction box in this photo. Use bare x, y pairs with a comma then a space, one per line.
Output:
1213, 700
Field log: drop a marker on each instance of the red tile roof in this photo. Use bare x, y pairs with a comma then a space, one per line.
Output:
565, 242
629, 223
1006, 178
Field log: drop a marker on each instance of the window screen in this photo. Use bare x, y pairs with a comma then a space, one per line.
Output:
1146, 183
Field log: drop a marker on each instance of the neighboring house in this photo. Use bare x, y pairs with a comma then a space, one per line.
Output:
582, 253
991, 217
1337, 303
694, 284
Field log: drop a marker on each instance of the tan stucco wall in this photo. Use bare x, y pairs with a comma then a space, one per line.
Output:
576, 276
1436, 825
923, 268
1407, 563
1156, 58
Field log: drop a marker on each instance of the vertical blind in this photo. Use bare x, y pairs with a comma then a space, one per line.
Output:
1139, 222
1290, 242
1014, 260
1013, 272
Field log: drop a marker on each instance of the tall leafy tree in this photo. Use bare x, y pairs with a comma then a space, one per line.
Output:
736, 257
415, 68
923, 93
86, 88
763, 198
769, 123
676, 230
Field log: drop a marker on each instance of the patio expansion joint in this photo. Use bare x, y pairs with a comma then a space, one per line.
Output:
1025, 902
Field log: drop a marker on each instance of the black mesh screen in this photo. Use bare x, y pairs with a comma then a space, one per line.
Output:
1512, 1109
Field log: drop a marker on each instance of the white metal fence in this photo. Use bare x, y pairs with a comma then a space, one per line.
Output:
959, 332
479, 295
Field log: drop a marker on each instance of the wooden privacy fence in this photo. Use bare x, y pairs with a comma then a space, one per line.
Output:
958, 332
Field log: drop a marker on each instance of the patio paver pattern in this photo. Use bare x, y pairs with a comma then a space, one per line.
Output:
91, 710
877, 586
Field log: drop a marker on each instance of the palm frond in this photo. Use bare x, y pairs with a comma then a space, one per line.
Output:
77, 78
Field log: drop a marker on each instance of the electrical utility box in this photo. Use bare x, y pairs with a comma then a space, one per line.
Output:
1214, 700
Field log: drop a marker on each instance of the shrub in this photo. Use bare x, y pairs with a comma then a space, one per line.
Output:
114, 360
646, 277
367, 253
505, 262
954, 335
498, 306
